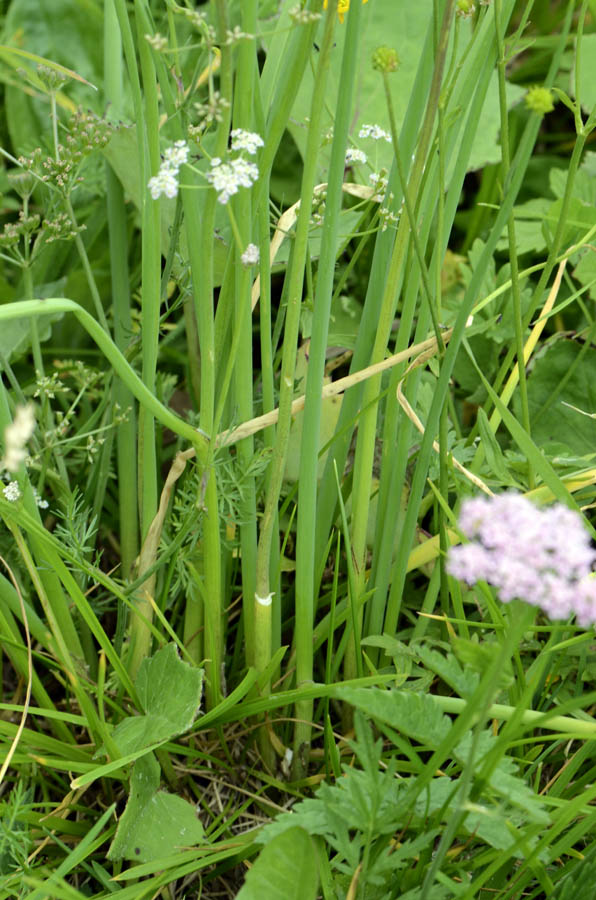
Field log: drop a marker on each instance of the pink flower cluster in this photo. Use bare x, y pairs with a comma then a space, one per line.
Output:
542, 556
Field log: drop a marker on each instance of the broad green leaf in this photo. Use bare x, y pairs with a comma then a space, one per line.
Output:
136, 732
477, 657
286, 869
584, 187
559, 377
448, 668
169, 687
529, 236
170, 694
585, 272
416, 715
579, 219
154, 823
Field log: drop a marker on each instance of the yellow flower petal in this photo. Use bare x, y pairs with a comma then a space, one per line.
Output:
342, 8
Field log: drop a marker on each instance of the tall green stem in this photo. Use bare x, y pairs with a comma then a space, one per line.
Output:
294, 294
515, 289
126, 436
148, 139
311, 427
244, 104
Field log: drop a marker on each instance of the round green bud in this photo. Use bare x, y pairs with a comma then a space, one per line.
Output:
385, 59
540, 100
465, 8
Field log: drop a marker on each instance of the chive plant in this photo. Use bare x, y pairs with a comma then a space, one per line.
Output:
298, 602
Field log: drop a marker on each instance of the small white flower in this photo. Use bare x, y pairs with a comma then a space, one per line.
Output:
165, 182
226, 178
246, 140
223, 180
12, 491
246, 172
43, 504
375, 132
177, 155
16, 436
251, 255
353, 155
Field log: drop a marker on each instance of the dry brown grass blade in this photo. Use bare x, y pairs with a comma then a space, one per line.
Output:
225, 438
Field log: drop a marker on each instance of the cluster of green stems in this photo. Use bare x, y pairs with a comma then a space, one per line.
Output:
431, 152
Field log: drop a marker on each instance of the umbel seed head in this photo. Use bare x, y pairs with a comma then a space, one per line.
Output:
385, 59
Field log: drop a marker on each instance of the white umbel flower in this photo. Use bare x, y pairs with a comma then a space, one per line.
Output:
165, 182
246, 140
353, 155
176, 156
251, 255
12, 491
246, 172
375, 132
16, 436
226, 178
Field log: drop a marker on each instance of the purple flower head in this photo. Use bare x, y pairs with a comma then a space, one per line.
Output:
542, 556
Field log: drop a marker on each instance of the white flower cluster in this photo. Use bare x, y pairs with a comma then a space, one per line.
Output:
251, 255
16, 436
375, 132
353, 155
246, 140
176, 156
166, 180
226, 178
12, 491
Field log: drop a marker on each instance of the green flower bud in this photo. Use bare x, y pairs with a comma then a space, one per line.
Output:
385, 59
22, 182
465, 8
51, 79
540, 100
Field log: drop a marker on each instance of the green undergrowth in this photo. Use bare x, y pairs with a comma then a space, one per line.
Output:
282, 284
